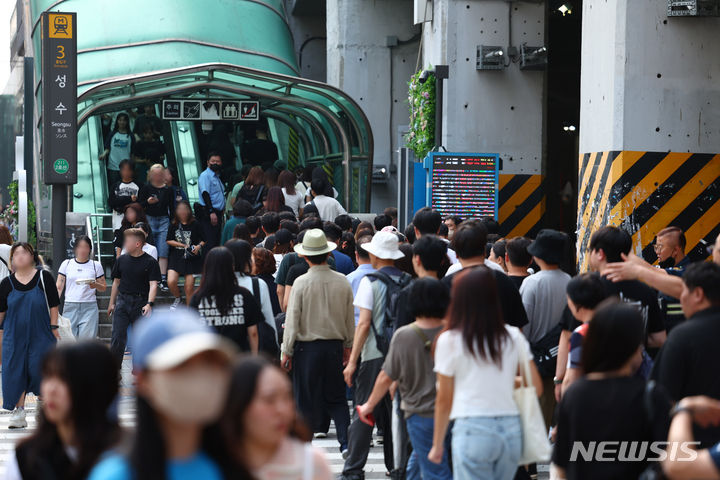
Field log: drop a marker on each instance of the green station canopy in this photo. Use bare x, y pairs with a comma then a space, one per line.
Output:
131, 52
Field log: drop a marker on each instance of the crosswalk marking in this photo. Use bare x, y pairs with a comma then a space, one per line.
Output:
375, 468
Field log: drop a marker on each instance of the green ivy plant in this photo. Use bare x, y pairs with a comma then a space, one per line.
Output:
421, 97
9, 215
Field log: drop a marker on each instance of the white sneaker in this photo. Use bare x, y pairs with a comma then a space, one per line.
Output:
176, 303
319, 435
17, 419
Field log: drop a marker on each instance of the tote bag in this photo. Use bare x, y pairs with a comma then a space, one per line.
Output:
64, 325
536, 447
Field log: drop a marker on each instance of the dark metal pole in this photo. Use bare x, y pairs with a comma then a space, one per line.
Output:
59, 207
441, 73
29, 120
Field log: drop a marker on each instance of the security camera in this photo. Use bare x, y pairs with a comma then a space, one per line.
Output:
424, 76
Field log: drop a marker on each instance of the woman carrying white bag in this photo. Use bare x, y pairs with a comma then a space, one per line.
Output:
81, 277
477, 360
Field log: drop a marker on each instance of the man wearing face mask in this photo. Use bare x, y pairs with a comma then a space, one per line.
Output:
212, 200
670, 250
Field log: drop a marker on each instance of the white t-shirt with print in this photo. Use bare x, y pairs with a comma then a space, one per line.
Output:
120, 145
123, 190
472, 376
73, 270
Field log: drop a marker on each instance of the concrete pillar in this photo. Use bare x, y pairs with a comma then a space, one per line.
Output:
498, 111
649, 124
307, 22
362, 61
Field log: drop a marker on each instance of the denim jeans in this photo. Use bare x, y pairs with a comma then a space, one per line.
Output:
128, 308
420, 430
83, 318
160, 226
486, 448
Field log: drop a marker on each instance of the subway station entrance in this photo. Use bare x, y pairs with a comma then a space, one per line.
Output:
228, 52
310, 122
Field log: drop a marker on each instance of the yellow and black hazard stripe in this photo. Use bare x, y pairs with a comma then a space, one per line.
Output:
521, 204
293, 158
330, 171
644, 192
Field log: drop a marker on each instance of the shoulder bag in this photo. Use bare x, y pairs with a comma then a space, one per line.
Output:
536, 447
64, 325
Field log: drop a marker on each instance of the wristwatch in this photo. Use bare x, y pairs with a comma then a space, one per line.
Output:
678, 409
557, 381
152, 304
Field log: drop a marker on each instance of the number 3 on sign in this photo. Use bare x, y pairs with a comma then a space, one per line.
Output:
60, 52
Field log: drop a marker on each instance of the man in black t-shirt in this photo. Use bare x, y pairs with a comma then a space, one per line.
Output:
260, 150
518, 259
150, 149
148, 117
687, 364
608, 245
135, 279
469, 244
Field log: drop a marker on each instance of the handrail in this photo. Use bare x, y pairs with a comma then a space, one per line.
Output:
95, 233
89, 233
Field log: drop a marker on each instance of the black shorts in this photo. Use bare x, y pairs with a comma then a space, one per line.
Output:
184, 266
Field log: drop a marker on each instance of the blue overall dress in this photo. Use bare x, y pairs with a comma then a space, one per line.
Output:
27, 338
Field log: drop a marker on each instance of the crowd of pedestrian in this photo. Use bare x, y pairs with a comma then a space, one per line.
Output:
426, 333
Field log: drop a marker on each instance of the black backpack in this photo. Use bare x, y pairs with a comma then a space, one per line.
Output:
394, 286
267, 341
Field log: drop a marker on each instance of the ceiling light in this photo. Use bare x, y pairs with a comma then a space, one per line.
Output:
565, 9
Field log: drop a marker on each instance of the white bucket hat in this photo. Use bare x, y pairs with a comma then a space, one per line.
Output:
315, 243
384, 245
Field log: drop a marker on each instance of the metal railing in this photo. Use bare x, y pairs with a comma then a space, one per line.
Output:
96, 230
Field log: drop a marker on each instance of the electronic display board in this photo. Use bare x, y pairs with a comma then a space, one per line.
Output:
464, 184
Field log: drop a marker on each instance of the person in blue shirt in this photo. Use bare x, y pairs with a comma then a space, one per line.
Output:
343, 263
182, 373
212, 199
364, 267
